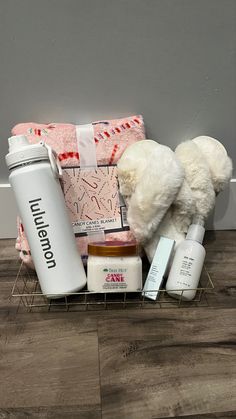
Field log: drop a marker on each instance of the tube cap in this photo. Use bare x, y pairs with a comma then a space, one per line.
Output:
196, 230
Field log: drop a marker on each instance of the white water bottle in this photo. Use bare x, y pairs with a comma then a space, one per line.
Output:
188, 261
34, 177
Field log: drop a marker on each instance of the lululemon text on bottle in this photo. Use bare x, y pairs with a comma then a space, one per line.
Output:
42, 232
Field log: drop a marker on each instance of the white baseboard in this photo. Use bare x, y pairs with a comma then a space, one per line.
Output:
222, 218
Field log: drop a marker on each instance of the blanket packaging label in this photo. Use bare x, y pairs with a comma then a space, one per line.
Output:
93, 200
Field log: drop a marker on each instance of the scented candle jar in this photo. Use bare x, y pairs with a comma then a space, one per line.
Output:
114, 267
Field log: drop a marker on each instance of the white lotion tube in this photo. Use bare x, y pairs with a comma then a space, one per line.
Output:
158, 268
188, 262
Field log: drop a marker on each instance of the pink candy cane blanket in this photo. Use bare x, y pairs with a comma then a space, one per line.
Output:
92, 197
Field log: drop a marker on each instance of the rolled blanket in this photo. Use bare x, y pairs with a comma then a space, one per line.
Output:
91, 195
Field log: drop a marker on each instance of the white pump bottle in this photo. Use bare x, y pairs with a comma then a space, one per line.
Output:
188, 262
34, 177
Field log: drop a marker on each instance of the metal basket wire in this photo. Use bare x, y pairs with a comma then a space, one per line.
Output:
26, 288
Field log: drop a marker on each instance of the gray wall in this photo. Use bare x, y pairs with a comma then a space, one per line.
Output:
80, 60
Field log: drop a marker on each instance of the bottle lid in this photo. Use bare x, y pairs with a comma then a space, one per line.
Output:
198, 219
113, 248
21, 151
196, 230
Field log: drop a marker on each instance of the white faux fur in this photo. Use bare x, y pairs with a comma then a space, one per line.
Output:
163, 190
150, 177
183, 208
167, 228
196, 195
176, 220
220, 165
198, 176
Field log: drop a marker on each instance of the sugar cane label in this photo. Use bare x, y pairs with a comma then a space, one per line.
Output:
93, 200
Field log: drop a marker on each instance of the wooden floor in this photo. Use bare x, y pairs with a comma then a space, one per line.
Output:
134, 364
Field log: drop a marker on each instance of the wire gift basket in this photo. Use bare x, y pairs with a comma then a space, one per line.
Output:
26, 289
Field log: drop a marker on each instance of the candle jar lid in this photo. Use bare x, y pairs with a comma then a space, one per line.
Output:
113, 248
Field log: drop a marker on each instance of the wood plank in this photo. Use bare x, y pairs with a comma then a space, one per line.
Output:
49, 361
221, 264
7, 249
9, 266
154, 363
169, 326
221, 415
57, 412
7, 304
167, 363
